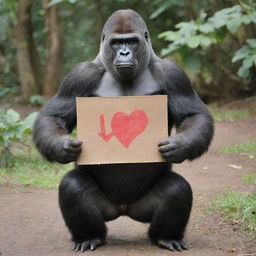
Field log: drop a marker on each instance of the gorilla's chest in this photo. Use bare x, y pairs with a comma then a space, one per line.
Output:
143, 85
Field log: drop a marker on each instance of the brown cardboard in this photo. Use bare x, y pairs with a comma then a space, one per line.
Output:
121, 129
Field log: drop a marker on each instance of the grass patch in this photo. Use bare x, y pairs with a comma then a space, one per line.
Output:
247, 147
29, 169
238, 207
250, 179
229, 115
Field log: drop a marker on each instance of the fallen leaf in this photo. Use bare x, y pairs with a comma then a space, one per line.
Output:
231, 250
235, 166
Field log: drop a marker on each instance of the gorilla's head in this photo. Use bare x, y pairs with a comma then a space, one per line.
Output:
125, 48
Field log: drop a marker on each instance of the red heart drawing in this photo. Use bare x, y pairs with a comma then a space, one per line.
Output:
127, 127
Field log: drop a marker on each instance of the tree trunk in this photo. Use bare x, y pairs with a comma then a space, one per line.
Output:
27, 57
54, 48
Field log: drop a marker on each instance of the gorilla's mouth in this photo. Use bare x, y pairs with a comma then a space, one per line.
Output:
125, 65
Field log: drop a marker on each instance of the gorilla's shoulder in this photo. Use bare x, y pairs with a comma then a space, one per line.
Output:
81, 78
170, 73
86, 69
168, 66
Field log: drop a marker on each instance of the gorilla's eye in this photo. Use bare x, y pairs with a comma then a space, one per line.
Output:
115, 43
146, 35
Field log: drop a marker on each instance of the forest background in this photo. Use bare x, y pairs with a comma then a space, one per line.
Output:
213, 40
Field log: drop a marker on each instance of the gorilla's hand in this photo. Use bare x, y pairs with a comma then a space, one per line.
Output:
174, 149
67, 149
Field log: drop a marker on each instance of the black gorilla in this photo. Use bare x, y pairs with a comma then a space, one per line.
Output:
146, 192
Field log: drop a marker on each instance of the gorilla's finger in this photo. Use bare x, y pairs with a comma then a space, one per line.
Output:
183, 245
77, 247
166, 155
94, 244
74, 149
76, 143
171, 146
177, 246
66, 144
163, 142
85, 246
163, 149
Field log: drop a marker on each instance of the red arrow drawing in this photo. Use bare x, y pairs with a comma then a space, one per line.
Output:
103, 134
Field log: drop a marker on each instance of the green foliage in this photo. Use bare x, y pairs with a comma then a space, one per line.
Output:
191, 34
29, 169
200, 34
229, 115
247, 54
37, 100
203, 32
247, 147
240, 208
53, 2
7, 91
13, 130
165, 5
8, 73
250, 179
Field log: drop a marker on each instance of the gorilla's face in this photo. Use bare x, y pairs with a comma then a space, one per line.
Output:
125, 47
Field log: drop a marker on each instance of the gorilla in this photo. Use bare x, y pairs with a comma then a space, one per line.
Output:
90, 195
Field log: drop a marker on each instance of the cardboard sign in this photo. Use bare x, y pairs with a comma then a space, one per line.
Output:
121, 129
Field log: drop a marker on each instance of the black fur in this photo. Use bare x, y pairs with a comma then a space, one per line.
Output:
147, 192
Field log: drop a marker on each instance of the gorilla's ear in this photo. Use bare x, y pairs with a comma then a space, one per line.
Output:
146, 35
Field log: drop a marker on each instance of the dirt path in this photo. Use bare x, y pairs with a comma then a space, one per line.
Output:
31, 224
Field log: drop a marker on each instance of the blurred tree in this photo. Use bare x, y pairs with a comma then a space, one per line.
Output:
36, 79
219, 60
8, 67
52, 72
29, 67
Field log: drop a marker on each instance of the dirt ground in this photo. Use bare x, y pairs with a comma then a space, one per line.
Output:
31, 223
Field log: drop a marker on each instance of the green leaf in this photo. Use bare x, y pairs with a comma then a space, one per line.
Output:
169, 35
12, 116
222, 17
242, 53
243, 72
171, 48
206, 28
53, 2
248, 63
252, 43
233, 25
161, 9
28, 122
193, 42
247, 19
206, 41
254, 59
217, 23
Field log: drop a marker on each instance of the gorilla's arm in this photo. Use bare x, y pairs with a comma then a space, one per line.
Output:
189, 114
58, 118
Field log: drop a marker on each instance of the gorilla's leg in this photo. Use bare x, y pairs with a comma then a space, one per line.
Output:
167, 207
85, 208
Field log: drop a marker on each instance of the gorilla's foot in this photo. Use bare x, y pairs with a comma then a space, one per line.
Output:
87, 245
172, 245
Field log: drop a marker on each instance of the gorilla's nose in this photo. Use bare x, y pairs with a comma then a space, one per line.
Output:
125, 53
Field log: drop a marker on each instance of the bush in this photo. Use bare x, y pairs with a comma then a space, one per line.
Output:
36, 100
13, 129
